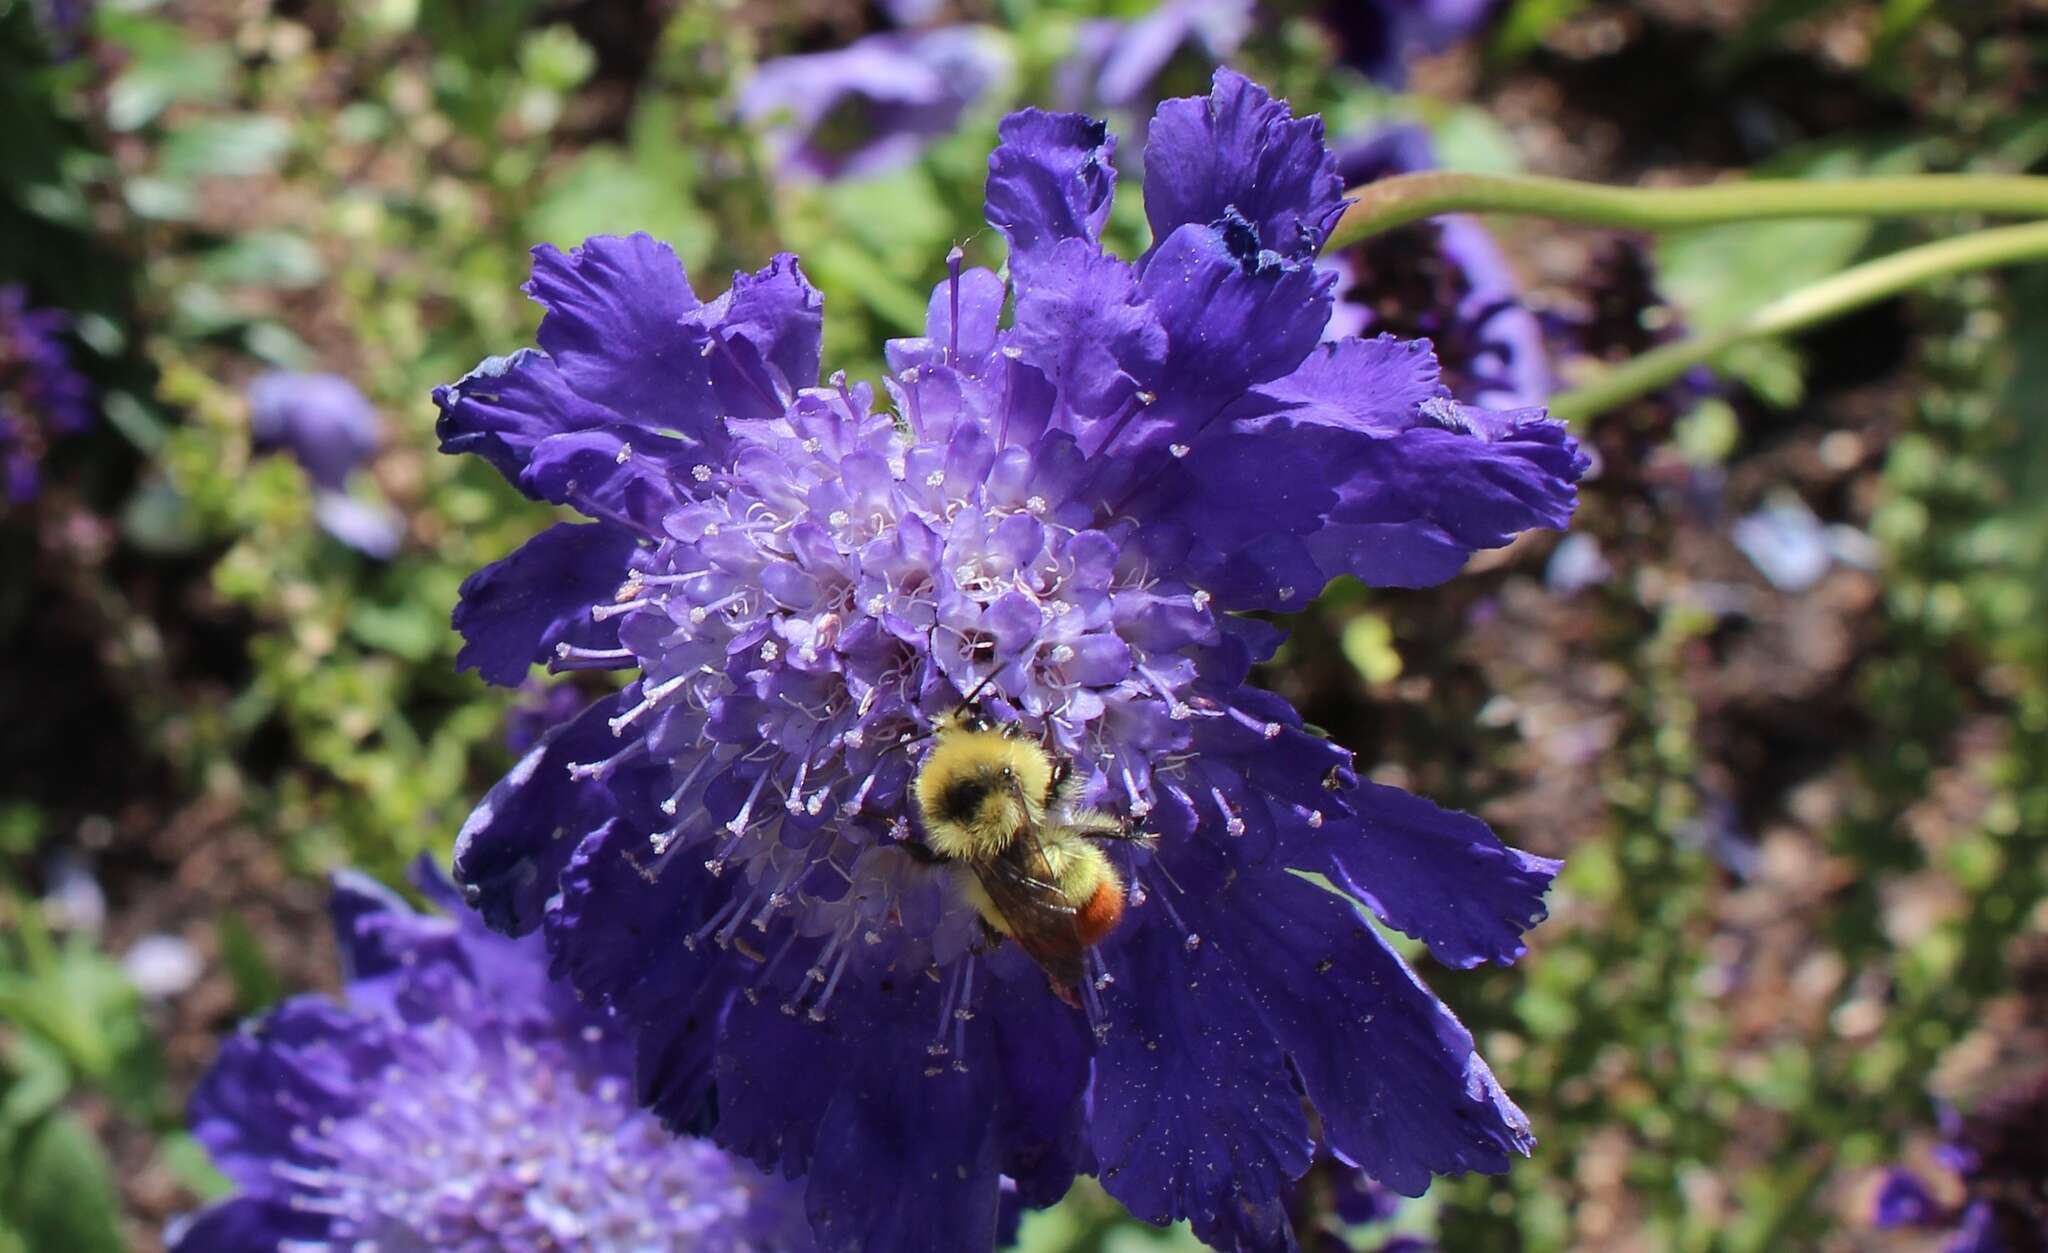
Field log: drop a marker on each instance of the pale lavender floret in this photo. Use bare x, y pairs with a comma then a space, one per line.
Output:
1077, 508
456, 1101
872, 105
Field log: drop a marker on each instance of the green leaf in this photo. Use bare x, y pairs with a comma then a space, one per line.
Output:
62, 1193
257, 986
266, 259
166, 66
604, 192
234, 144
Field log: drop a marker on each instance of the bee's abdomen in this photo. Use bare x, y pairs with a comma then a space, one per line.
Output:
1100, 915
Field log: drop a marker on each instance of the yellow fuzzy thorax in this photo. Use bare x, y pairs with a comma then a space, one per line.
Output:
1006, 777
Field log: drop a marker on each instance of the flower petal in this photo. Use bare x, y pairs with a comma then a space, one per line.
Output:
1438, 875
1080, 321
513, 612
1050, 178
780, 318
928, 1134
1194, 1113
247, 1224
1235, 316
614, 325
1401, 1091
505, 406
300, 1063
1238, 149
619, 939
512, 848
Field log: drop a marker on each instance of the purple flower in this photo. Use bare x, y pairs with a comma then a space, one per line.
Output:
458, 1100
1117, 65
872, 105
1380, 37
1448, 282
1080, 508
330, 429
41, 396
540, 707
1904, 1201
2001, 1161
1121, 65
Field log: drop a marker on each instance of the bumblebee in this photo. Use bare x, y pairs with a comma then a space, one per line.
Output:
1000, 806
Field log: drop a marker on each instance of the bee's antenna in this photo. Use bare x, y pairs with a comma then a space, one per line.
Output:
979, 688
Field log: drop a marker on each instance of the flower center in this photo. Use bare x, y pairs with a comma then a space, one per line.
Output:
817, 604
483, 1140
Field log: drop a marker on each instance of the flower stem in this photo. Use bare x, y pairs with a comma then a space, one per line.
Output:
1405, 198
1830, 297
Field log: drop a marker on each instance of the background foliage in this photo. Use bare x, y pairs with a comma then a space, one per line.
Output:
1807, 830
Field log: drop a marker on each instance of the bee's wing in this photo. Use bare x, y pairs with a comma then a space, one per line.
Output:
1019, 884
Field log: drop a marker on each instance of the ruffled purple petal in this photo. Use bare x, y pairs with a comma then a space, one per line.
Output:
1240, 151
929, 1134
1051, 178
513, 847
1401, 1090
618, 327
1438, 875
505, 406
1195, 1115
512, 613
303, 1062
769, 331
1082, 324
640, 953
1235, 316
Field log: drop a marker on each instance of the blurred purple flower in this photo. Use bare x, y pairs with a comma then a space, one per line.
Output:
1904, 1201
1117, 65
42, 397
872, 105
321, 419
1380, 37
1448, 282
457, 1100
2001, 1159
330, 429
1122, 65
1082, 508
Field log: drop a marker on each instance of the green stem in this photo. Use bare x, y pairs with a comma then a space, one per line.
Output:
1832, 296
1406, 198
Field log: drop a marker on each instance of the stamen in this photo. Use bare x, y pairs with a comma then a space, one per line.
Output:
605, 612
1232, 824
1268, 730
570, 657
953, 260
649, 698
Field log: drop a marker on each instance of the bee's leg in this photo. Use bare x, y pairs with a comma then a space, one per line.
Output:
1097, 825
